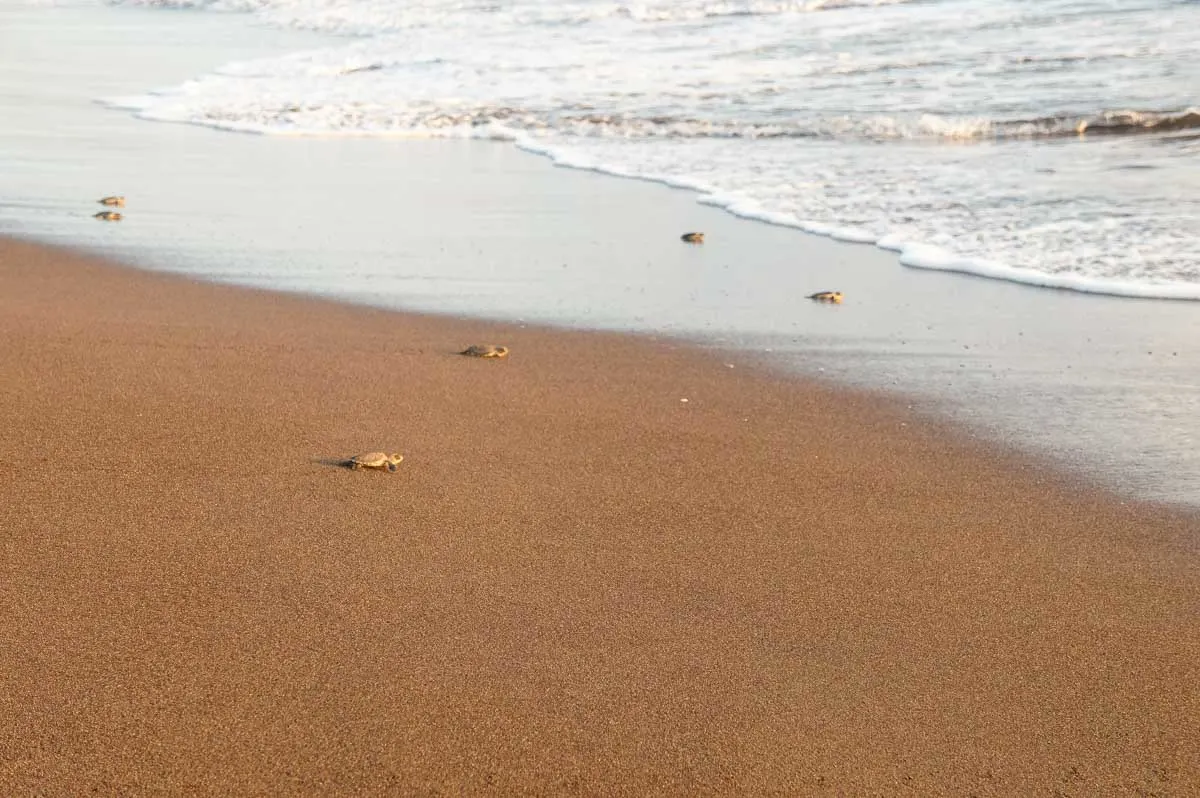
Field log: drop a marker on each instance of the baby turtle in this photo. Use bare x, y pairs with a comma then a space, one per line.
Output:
114, 202
832, 297
375, 460
485, 350
108, 216
693, 238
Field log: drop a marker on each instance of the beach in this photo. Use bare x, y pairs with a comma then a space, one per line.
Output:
1103, 386
695, 535
576, 583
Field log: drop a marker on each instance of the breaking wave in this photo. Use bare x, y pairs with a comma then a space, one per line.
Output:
1107, 123
330, 115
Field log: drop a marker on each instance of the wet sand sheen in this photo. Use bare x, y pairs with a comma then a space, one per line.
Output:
576, 582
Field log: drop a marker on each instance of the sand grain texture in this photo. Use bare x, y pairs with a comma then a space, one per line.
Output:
576, 583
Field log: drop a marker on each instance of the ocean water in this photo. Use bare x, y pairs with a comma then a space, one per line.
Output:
1049, 142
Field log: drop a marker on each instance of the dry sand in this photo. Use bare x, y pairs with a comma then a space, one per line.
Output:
576, 584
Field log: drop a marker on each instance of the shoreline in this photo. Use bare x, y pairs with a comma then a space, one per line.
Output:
909, 254
903, 408
922, 239
576, 583
992, 356
1102, 386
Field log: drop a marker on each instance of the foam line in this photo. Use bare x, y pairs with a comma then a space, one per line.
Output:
914, 255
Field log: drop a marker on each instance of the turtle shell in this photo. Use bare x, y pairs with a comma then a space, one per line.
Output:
375, 460
370, 460
485, 350
827, 296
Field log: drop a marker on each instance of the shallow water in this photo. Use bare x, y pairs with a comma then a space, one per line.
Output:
1051, 142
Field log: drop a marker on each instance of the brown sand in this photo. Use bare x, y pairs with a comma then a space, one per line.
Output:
577, 583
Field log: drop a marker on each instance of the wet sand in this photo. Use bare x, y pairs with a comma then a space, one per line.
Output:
577, 583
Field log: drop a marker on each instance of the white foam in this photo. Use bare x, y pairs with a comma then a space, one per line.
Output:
925, 256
